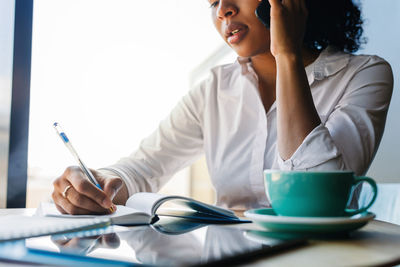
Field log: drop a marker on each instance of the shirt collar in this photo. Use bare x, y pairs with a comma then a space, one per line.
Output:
329, 62
245, 64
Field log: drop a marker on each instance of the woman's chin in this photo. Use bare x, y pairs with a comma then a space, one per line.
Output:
250, 47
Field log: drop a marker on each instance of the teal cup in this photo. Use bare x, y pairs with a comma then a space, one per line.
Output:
314, 194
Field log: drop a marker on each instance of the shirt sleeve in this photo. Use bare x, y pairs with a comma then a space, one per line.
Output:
349, 138
175, 144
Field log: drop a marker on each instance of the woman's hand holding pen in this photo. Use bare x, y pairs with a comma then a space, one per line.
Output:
75, 194
288, 23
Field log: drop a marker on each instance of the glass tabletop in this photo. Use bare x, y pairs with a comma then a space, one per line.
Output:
169, 242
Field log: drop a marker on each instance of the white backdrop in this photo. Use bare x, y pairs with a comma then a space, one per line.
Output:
382, 27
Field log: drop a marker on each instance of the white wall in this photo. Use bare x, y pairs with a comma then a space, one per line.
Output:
382, 28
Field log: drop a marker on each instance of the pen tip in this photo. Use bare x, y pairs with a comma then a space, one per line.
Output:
55, 124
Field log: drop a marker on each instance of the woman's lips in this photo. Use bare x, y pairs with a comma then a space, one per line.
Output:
237, 35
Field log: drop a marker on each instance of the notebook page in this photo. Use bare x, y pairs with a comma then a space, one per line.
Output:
144, 201
49, 209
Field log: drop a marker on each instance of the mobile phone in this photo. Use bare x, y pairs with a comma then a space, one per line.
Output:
263, 13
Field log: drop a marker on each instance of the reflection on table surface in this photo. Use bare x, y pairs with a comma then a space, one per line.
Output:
376, 244
171, 241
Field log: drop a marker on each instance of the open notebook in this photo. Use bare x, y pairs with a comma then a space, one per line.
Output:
143, 208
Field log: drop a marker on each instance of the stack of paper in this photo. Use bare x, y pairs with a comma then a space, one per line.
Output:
17, 226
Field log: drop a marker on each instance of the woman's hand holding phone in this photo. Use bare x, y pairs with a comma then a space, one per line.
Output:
296, 113
287, 26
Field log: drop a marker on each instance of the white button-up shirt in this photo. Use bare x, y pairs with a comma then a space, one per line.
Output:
224, 118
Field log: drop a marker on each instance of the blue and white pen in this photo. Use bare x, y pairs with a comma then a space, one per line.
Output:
68, 144
85, 169
82, 165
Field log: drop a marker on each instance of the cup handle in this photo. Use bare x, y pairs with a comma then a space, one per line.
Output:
360, 179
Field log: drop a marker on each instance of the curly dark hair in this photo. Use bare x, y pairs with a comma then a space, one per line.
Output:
334, 22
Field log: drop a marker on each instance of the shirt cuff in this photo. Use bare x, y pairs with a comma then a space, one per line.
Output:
317, 151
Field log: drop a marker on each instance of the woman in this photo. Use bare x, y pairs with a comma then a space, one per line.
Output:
295, 99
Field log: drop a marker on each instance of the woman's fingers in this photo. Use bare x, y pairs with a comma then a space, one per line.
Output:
79, 200
298, 6
288, 20
289, 4
275, 3
60, 209
74, 194
84, 187
67, 207
294, 5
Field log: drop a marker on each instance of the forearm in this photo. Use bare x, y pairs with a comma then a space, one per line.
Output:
296, 113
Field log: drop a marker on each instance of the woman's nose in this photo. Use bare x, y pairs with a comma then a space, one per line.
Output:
226, 10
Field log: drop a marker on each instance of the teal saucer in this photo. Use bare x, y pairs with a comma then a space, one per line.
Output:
267, 218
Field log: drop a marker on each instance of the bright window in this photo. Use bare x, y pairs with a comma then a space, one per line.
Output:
108, 71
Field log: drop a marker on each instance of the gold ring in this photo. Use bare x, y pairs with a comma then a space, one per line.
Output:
64, 193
